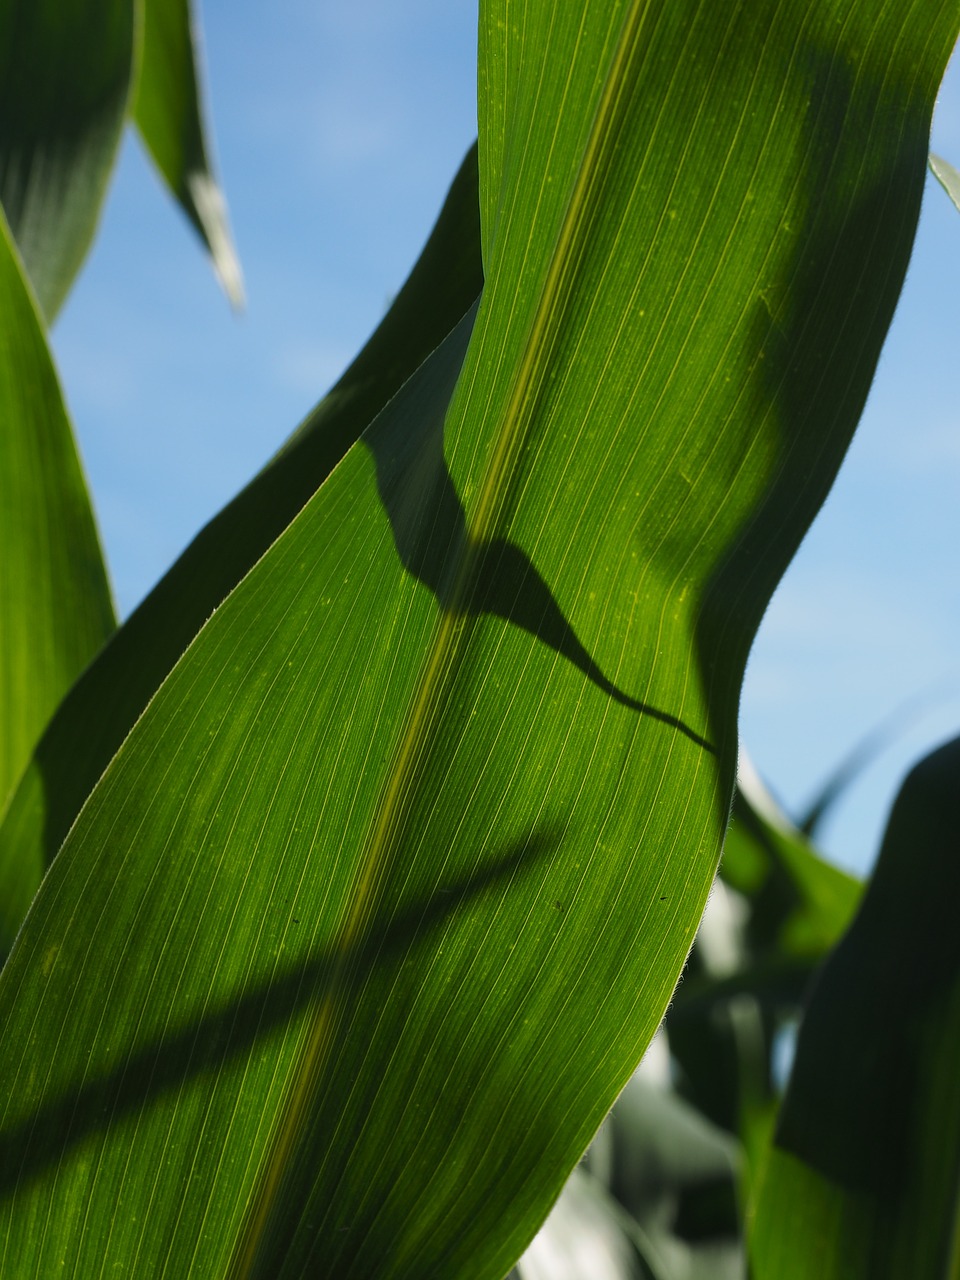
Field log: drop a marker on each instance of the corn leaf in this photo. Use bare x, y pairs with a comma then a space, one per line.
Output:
168, 114
777, 911
65, 69
863, 1178
801, 904
947, 175
54, 598
104, 704
374, 912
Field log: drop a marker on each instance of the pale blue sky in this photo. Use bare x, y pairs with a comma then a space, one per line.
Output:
338, 127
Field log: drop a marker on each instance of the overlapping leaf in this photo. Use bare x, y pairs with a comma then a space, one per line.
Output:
864, 1177
777, 911
54, 599
947, 175
65, 72
800, 903
168, 113
372, 915
102, 707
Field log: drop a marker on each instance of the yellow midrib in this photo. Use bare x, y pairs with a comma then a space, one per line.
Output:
450, 632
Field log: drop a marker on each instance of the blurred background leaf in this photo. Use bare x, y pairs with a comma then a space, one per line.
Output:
65, 77
863, 1175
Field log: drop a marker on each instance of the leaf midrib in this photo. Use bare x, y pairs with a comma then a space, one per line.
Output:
451, 632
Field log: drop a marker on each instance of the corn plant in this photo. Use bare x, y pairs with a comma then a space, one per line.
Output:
345, 885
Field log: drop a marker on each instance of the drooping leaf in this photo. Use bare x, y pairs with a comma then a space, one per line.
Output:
102, 707
863, 1178
784, 908
55, 602
861, 755
947, 175
65, 68
167, 109
372, 915
801, 904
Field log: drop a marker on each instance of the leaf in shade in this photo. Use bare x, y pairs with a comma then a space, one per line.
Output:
585, 1237
372, 915
167, 110
54, 598
784, 908
802, 904
862, 1178
653, 1197
65, 68
102, 707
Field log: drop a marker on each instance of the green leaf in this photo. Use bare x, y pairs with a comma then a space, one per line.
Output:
54, 597
103, 706
753, 961
947, 176
586, 1237
801, 904
65, 69
653, 1197
374, 912
864, 1175
169, 116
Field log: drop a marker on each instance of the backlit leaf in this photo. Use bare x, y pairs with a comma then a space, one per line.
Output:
372, 915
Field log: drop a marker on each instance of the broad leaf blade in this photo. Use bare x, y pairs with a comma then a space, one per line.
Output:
54, 598
168, 113
863, 1179
65, 68
387, 890
103, 706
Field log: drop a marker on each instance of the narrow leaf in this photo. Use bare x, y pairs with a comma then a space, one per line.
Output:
863, 1179
65, 69
947, 176
102, 707
168, 113
105, 703
54, 599
374, 912
777, 911
862, 755
801, 903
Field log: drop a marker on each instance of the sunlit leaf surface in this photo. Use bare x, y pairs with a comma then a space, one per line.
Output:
103, 706
376, 909
55, 607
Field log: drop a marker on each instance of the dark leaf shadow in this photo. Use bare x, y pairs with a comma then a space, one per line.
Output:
205, 1045
99, 711
429, 529
817, 342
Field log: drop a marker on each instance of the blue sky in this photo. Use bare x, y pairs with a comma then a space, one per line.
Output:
338, 128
